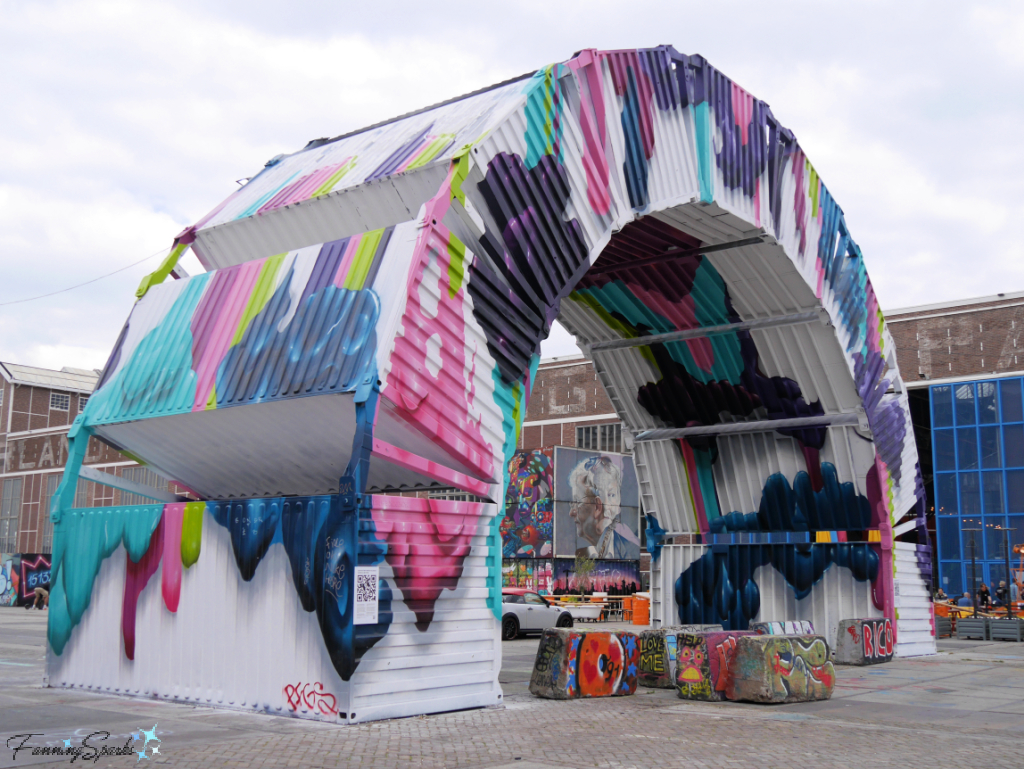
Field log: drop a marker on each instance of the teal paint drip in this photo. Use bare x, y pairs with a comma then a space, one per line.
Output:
158, 379
705, 153
706, 479
544, 104
82, 540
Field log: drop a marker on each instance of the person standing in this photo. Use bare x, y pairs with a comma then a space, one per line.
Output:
984, 597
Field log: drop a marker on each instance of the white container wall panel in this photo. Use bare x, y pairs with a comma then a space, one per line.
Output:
259, 606
915, 617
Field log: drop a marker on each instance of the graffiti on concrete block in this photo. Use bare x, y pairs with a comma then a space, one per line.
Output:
693, 668
571, 664
311, 697
781, 669
865, 641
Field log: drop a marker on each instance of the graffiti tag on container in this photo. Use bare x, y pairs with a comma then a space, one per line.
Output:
311, 697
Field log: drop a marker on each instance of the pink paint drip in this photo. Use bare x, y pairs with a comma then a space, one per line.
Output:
170, 577
346, 260
428, 541
301, 189
743, 111
619, 64
136, 578
225, 300
698, 497
680, 312
586, 67
438, 405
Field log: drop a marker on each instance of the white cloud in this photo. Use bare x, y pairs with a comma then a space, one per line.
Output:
124, 122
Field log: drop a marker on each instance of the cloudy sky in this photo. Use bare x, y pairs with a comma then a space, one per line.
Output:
124, 122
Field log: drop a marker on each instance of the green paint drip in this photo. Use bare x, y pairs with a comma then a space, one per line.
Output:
82, 540
812, 185
159, 275
363, 259
432, 151
334, 178
192, 533
456, 270
460, 170
261, 293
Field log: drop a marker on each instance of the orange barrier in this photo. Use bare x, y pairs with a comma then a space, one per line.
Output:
641, 611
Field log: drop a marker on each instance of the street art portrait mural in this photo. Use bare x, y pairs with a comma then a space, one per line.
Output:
369, 324
597, 505
527, 530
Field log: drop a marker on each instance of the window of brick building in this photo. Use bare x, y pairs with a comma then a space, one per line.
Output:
82, 400
145, 477
60, 402
45, 524
10, 509
599, 437
454, 495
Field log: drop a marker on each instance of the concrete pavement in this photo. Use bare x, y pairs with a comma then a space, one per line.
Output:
962, 707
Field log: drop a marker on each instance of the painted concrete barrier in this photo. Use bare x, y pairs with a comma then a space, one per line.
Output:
865, 641
789, 627
776, 669
704, 662
658, 654
574, 663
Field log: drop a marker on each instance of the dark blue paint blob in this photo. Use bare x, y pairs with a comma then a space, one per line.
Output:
329, 345
541, 255
321, 536
719, 587
635, 165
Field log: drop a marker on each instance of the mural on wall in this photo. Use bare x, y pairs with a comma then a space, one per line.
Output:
612, 577
439, 359
34, 571
596, 504
527, 530
9, 579
533, 574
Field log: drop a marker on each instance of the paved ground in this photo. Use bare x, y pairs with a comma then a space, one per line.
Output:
964, 707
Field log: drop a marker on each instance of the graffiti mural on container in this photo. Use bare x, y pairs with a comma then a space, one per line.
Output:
612, 577
9, 579
596, 504
720, 586
319, 537
528, 526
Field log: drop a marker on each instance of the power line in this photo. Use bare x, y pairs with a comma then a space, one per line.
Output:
72, 288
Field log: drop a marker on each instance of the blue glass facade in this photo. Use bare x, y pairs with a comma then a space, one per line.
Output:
978, 465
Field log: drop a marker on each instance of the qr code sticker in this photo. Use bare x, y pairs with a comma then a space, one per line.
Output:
366, 588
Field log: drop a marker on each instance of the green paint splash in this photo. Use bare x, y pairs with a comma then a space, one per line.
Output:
192, 533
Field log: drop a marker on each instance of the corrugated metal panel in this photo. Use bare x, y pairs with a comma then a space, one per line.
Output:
836, 596
915, 619
436, 646
77, 380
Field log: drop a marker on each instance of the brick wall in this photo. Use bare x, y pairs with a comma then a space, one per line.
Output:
960, 341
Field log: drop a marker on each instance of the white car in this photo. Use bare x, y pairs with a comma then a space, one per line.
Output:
524, 611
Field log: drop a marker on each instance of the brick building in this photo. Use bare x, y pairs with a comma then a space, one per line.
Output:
968, 413
37, 407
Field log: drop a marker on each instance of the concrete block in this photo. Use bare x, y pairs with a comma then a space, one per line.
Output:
658, 654
703, 662
788, 627
574, 663
774, 669
865, 641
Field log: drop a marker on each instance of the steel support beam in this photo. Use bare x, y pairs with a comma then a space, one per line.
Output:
760, 426
797, 319
679, 253
106, 479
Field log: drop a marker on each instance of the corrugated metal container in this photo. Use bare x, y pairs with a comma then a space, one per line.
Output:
243, 625
612, 191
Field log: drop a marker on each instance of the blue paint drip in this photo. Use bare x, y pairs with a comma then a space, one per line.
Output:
702, 124
719, 587
655, 535
635, 165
